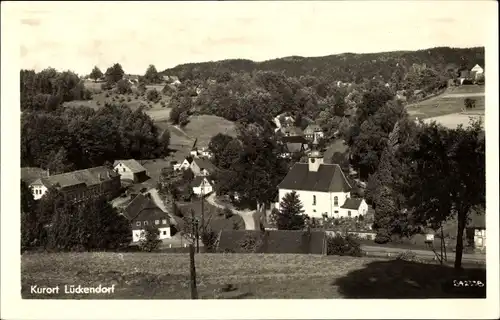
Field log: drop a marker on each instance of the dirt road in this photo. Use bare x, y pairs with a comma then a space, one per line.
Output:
248, 216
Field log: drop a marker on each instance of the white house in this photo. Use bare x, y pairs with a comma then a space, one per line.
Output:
322, 188
143, 212
477, 71
184, 164
201, 186
130, 170
354, 207
202, 167
313, 131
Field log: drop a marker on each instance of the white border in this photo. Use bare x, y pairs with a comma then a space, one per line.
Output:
13, 307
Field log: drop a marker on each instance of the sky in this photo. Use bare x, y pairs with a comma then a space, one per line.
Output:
80, 35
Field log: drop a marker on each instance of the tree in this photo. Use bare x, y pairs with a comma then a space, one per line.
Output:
123, 86
114, 74
469, 103
448, 177
96, 74
152, 76
58, 162
28, 217
183, 119
150, 239
175, 114
164, 143
291, 214
153, 95
217, 146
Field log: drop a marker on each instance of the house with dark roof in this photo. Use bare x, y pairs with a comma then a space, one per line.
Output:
291, 131
322, 188
142, 211
202, 167
272, 241
31, 174
202, 186
80, 185
313, 130
354, 207
291, 145
130, 170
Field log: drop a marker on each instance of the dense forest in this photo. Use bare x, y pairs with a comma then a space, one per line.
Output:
347, 67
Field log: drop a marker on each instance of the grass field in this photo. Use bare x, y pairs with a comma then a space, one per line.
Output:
254, 276
450, 102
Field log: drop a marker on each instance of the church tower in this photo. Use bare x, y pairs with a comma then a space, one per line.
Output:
315, 156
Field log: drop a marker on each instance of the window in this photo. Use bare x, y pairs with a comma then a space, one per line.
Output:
349, 213
164, 233
164, 221
145, 223
138, 223
123, 169
157, 221
336, 211
336, 201
314, 200
314, 210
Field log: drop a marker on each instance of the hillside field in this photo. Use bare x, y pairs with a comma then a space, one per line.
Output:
451, 102
254, 276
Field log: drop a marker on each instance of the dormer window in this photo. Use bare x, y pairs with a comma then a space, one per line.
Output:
314, 200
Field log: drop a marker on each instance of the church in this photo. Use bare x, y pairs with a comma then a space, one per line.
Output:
322, 188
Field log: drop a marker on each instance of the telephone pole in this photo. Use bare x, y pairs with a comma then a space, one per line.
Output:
192, 282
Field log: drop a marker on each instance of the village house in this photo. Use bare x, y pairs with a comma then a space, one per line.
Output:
322, 188
291, 131
185, 164
143, 212
80, 185
202, 186
312, 131
476, 72
354, 207
291, 146
283, 120
130, 170
202, 167
201, 153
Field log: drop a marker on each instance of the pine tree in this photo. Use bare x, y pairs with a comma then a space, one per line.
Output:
291, 214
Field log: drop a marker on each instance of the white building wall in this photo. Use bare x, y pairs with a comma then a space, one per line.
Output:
324, 202
206, 190
38, 191
124, 172
137, 235
362, 210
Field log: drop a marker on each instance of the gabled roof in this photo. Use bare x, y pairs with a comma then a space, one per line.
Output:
141, 205
274, 241
31, 174
132, 164
205, 164
88, 177
197, 181
328, 178
352, 203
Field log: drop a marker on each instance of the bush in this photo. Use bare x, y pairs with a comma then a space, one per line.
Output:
343, 246
251, 243
227, 213
153, 95
408, 256
209, 240
382, 237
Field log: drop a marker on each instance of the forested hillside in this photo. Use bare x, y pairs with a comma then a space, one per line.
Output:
346, 67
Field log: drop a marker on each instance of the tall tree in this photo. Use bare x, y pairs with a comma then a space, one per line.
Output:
96, 74
291, 214
152, 76
114, 73
448, 177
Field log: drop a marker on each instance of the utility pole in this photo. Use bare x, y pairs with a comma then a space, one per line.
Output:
192, 282
202, 206
195, 231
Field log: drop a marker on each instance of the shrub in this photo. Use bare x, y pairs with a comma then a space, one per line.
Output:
106, 86
382, 236
150, 240
227, 213
129, 99
107, 95
163, 104
343, 246
251, 243
209, 240
153, 95
408, 256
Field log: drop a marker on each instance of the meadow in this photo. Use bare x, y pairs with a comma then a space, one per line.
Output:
244, 276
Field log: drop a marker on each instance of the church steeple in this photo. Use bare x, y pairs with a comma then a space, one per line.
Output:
315, 156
